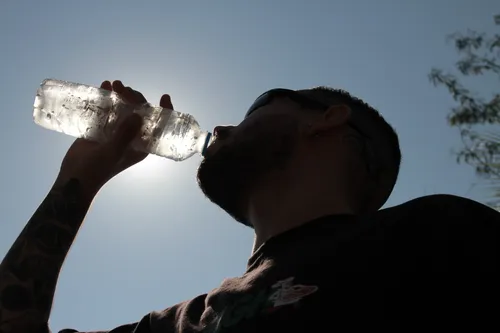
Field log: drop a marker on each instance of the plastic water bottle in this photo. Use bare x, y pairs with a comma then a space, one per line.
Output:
92, 113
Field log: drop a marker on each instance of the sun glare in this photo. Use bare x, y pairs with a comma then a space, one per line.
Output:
155, 174
151, 169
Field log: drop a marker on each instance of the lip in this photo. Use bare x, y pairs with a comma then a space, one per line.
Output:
213, 147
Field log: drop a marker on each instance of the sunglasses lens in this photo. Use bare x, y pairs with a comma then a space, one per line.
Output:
267, 97
261, 101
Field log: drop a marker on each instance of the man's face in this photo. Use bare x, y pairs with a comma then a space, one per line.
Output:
243, 155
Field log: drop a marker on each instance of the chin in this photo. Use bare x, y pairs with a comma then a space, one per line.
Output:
225, 182
229, 172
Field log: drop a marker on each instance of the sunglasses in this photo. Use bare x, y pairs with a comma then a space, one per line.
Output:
309, 103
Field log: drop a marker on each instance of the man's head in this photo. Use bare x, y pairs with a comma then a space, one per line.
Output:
320, 133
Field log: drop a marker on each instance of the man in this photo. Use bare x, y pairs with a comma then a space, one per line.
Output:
308, 170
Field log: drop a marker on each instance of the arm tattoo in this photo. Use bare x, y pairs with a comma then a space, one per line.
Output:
29, 271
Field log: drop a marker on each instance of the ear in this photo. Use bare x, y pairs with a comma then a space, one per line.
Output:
334, 116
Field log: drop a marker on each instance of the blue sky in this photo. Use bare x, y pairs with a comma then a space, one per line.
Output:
151, 239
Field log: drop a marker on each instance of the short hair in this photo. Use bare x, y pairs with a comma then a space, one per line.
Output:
386, 150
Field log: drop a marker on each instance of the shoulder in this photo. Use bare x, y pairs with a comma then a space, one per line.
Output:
447, 228
444, 206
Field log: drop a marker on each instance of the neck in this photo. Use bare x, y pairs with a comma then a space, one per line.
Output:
284, 201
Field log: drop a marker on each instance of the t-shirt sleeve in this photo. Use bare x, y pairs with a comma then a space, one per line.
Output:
142, 326
186, 314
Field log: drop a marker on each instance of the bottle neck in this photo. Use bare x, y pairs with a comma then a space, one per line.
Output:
206, 139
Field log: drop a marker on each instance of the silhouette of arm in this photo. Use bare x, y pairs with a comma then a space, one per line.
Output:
30, 269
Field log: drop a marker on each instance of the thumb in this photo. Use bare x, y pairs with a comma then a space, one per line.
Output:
126, 132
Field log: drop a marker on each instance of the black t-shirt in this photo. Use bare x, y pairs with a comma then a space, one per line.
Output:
429, 265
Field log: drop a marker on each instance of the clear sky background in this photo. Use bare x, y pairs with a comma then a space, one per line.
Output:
152, 239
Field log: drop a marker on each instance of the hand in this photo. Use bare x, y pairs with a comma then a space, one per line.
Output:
94, 164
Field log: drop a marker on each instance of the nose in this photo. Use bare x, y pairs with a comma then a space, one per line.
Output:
223, 132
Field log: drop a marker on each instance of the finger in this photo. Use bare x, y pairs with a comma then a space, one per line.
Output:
118, 86
133, 96
128, 94
166, 102
106, 85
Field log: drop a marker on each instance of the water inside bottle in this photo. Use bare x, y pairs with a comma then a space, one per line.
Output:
180, 137
78, 110
93, 113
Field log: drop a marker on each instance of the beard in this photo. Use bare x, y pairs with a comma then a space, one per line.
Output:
228, 176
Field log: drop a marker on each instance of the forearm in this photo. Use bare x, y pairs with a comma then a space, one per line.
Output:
29, 271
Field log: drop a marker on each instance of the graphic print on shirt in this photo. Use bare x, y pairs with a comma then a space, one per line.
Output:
283, 293
286, 293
